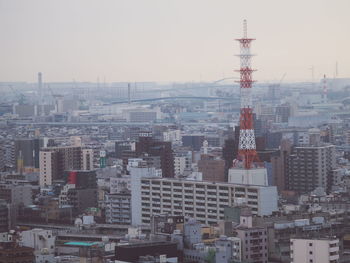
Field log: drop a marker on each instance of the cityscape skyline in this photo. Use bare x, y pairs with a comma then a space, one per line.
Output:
131, 131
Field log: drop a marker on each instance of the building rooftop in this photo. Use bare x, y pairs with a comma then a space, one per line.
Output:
206, 182
83, 244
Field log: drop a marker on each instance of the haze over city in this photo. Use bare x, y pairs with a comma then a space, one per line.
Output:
173, 131
158, 40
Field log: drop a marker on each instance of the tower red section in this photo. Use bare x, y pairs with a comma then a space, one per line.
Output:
247, 147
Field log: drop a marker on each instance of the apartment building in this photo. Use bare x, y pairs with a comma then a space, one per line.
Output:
4, 216
314, 250
28, 151
253, 239
254, 244
117, 208
87, 159
204, 201
147, 145
16, 194
53, 161
228, 249
309, 167
179, 165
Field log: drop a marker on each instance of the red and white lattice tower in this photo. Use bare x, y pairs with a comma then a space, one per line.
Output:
246, 147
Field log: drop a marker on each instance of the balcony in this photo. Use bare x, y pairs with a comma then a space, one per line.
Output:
334, 257
333, 249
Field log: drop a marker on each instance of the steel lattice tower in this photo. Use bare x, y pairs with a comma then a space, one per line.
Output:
246, 147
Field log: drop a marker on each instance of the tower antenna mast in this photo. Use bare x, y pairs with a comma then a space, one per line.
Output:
247, 146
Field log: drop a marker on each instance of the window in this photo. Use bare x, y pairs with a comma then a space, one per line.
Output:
310, 244
310, 252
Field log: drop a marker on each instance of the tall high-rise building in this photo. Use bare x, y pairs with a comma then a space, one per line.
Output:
279, 165
283, 112
309, 167
7, 147
55, 160
4, 216
87, 159
28, 151
147, 144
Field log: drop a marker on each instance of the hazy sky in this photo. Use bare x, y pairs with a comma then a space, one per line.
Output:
170, 40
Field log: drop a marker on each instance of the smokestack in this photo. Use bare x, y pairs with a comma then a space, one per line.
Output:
129, 93
40, 87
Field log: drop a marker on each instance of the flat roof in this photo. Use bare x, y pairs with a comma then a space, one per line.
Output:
83, 244
206, 182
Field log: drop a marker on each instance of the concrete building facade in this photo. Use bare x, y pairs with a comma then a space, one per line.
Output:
55, 160
204, 201
118, 208
314, 250
309, 167
212, 169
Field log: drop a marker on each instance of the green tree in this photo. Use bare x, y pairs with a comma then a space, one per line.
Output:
210, 258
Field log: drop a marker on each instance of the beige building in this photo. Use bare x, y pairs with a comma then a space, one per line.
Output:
204, 201
88, 159
314, 250
179, 165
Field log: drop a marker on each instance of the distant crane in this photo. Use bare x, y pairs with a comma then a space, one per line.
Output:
284, 75
56, 97
275, 89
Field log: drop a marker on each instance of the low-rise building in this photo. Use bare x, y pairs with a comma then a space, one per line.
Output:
39, 239
12, 252
228, 249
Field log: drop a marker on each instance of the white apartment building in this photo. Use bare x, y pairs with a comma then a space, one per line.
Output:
142, 115
117, 208
179, 165
255, 176
204, 201
63, 197
172, 136
88, 159
137, 173
39, 239
314, 250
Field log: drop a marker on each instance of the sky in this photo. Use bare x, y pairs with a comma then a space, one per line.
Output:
171, 40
